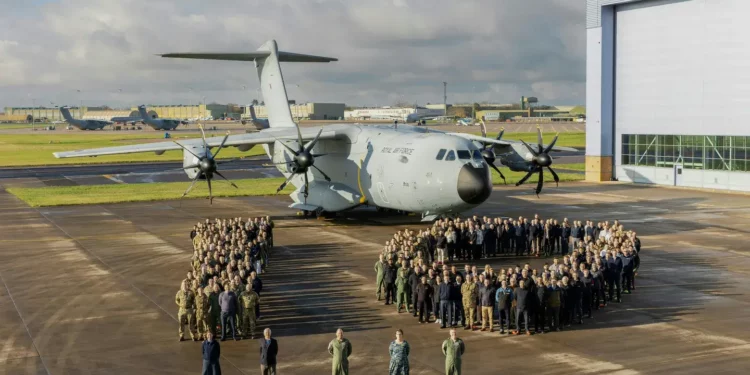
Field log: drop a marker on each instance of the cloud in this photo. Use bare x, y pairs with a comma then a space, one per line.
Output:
486, 50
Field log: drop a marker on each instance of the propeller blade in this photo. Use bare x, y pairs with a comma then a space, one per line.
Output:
223, 141
197, 176
554, 175
484, 129
524, 179
318, 155
299, 136
530, 149
205, 145
539, 139
500, 135
540, 183
549, 147
323, 173
210, 192
314, 141
306, 187
283, 185
500, 173
287, 147
186, 149
226, 179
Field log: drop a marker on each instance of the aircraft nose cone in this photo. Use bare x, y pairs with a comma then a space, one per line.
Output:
474, 184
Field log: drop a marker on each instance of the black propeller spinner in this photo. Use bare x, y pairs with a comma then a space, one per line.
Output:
303, 160
541, 159
488, 151
206, 165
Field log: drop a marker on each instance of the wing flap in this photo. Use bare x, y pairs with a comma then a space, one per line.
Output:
262, 137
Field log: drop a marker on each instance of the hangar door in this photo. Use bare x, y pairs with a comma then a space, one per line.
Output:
681, 68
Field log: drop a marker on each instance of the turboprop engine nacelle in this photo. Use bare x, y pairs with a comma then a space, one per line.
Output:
189, 159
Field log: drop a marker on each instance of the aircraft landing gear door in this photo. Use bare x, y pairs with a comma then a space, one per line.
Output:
678, 175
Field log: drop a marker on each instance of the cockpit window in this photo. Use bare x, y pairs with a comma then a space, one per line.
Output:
477, 156
451, 156
464, 154
440, 154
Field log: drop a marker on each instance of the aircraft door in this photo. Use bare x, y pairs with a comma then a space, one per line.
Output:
678, 175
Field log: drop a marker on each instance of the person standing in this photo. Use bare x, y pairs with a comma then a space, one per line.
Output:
399, 351
248, 300
469, 295
453, 349
269, 348
257, 288
211, 354
487, 301
424, 294
446, 310
228, 303
521, 296
340, 348
389, 276
380, 272
185, 299
402, 290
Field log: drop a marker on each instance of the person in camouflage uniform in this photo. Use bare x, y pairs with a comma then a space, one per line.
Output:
469, 294
185, 299
248, 300
402, 290
201, 312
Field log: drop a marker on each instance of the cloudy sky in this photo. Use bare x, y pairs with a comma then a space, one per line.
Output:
389, 51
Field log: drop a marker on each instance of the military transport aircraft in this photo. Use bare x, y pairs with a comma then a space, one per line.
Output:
159, 123
82, 124
341, 166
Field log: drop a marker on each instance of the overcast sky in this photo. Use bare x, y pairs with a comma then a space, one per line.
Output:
493, 50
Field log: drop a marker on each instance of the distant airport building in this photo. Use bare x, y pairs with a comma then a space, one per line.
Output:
667, 92
185, 111
561, 113
393, 113
46, 113
308, 111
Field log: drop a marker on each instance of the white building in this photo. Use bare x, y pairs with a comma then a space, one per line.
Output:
393, 113
668, 92
309, 111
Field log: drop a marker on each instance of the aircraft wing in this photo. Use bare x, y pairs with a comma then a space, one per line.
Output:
263, 137
479, 138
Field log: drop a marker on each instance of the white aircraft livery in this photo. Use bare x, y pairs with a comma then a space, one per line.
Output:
341, 166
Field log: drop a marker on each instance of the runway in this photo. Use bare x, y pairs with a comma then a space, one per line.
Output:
90, 289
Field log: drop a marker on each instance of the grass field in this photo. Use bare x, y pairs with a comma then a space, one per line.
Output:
573, 139
120, 193
37, 149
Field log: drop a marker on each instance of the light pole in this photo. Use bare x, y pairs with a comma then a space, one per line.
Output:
33, 104
204, 106
473, 109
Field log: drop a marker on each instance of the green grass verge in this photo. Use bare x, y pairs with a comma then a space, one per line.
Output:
121, 193
575, 166
572, 139
36, 149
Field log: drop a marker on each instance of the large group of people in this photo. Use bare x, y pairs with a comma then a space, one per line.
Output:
592, 264
221, 292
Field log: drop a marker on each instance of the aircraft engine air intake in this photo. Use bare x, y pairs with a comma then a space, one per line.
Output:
200, 164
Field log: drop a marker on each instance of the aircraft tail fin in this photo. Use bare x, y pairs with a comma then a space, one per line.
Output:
65, 112
267, 59
143, 113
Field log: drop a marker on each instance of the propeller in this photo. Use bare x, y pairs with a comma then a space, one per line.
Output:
541, 159
206, 165
488, 151
303, 160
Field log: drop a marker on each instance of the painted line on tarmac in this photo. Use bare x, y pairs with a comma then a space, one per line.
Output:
115, 179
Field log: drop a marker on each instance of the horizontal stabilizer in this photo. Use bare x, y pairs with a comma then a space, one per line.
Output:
251, 56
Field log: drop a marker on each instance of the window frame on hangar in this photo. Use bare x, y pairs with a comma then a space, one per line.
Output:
675, 77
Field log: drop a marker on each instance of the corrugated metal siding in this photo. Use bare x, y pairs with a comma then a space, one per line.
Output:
594, 10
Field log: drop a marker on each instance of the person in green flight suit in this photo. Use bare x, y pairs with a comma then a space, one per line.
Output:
379, 270
214, 310
340, 348
453, 349
402, 289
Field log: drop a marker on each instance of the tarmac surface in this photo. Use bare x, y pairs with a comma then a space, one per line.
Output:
90, 289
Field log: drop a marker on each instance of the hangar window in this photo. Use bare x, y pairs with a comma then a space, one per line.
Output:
724, 153
440, 154
451, 156
464, 154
